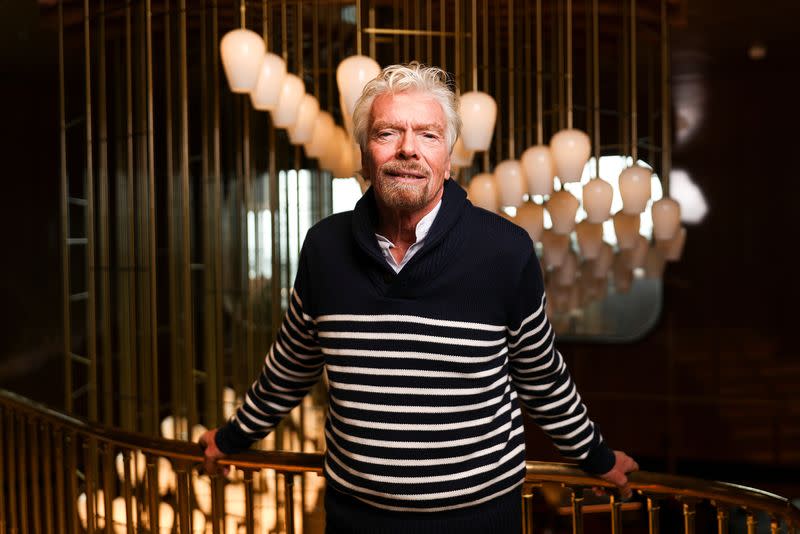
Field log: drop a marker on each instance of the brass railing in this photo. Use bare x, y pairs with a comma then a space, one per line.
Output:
59, 474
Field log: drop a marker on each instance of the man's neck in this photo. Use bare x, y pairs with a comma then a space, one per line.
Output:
399, 226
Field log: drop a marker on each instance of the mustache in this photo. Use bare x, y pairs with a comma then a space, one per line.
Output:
404, 167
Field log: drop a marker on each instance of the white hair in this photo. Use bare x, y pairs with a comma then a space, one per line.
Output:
404, 78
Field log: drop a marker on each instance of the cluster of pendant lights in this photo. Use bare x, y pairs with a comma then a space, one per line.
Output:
250, 69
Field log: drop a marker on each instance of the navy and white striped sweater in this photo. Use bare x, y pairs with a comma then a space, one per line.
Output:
425, 366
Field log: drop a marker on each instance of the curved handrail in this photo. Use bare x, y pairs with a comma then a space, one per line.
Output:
654, 484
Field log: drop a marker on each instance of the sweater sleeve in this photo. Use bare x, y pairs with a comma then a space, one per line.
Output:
542, 381
291, 367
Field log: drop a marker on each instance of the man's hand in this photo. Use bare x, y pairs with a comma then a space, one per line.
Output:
619, 473
211, 452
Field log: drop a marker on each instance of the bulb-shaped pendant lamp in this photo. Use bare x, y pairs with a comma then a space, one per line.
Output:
634, 186
482, 192
302, 130
285, 113
510, 182
321, 135
343, 166
242, 53
352, 74
334, 149
673, 248
627, 228
537, 163
554, 249
635, 256
530, 217
478, 113
562, 207
271, 74
666, 218
571, 149
597, 197
590, 239
461, 157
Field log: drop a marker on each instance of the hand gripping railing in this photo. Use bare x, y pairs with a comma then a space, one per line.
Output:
58, 474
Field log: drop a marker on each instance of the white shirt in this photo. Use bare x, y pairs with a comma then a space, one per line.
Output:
421, 231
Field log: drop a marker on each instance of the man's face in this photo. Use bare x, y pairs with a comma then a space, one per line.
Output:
407, 156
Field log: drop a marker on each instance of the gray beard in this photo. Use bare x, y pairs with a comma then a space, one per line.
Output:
401, 196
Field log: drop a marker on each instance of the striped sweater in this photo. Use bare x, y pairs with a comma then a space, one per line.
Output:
427, 367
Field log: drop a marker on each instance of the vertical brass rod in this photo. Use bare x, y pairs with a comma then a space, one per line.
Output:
634, 117
65, 231
186, 267
498, 80
722, 520
102, 189
371, 15
596, 84
89, 485
3, 449
265, 24
539, 88
130, 512
577, 511
752, 523
33, 429
23, 475
442, 28
568, 74
429, 26
249, 519
473, 42
653, 509
559, 34
358, 26
242, 14
47, 471
527, 510
91, 339
108, 485
217, 513
151, 204
216, 166
666, 101
152, 491
486, 62
406, 14
58, 439
511, 72
688, 518
288, 489
315, 43
12, 473
616, 515
274, 207
528, 76
72, 473
184, 499
284, 37
246, 288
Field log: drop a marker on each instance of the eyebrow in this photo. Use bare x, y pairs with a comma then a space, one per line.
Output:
427, 126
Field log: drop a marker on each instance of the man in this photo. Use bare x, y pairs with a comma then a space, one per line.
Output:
427, 315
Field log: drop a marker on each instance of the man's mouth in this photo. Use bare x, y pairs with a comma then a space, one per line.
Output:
406, 174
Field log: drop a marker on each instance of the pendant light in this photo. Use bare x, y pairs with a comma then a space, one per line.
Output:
320, 136
478, 110
554, 248
634, 182
352, 74
461, 158
285, 113
597, 194
590, 239
530, 217
537, 160
562, 207
242, 52
271, 74
673, 248
302, 130
627, 228
482, 192
511, 183
571, 147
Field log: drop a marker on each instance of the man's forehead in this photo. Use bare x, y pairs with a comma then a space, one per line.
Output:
393, 109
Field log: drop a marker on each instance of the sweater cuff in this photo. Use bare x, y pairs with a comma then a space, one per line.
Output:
230, 439
599, 461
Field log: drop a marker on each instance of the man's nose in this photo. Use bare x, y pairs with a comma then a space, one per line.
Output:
408, 145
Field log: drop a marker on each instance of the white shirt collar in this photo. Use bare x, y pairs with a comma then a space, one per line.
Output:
421, 232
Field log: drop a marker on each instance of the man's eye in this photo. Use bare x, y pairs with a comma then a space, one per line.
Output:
429, 135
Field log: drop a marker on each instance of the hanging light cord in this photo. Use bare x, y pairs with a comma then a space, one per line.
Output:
241, 13
666, 118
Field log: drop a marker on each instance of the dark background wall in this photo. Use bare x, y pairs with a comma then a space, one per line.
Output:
713, 390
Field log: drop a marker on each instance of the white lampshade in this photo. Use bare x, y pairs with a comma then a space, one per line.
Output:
590, 239
198, 522
334, 149
478, 114
627, 228
167, 479
343, 168
571, 149
352, 75
347, 118
242, 52
635, 256
673, 248
510, 182
562, 208
597, 196
623, 276
603, 262
202, 492
565, 275
654, 264
666, 218
634, 186
285, 113
119, 515
301, 132
530, 217
554, 248
537, 164
166, 518
321, 135
265, 93
482, 192
461, 157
